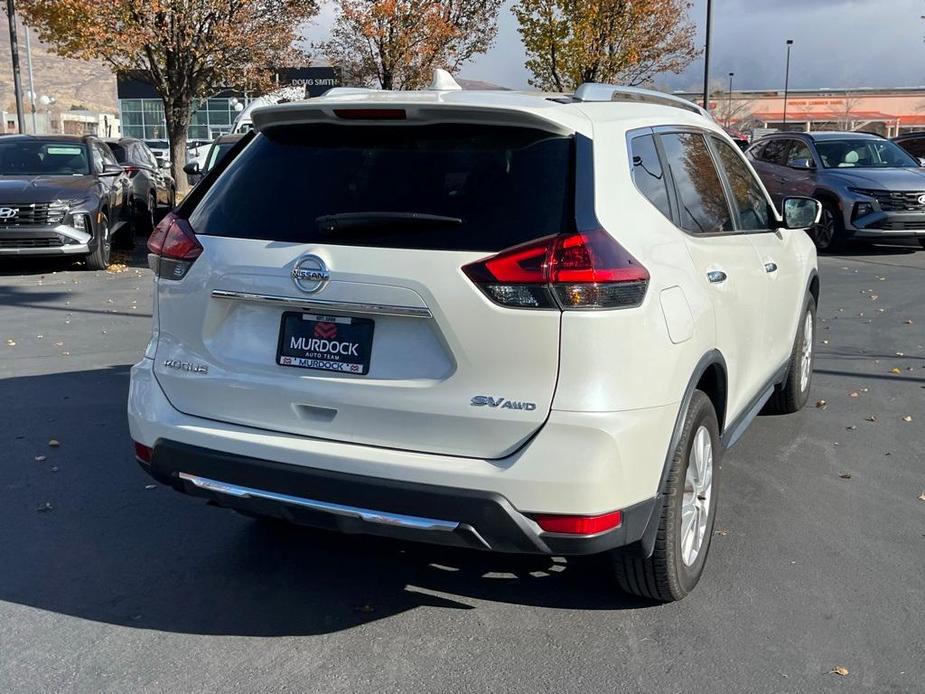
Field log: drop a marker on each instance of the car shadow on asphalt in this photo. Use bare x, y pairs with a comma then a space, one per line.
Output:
86, 533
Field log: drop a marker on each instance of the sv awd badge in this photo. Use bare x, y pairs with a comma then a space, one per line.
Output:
503, 403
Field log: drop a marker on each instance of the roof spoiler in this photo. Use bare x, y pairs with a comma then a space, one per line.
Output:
593, 91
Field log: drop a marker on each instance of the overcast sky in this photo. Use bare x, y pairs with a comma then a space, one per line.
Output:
838, 43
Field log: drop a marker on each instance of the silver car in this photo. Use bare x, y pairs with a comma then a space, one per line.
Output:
869, 187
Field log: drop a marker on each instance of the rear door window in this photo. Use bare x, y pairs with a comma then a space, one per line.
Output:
701, 198
472, 188
799, 150
648, 174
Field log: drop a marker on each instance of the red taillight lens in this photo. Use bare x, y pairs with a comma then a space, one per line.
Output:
579, 525
142, 453
583, 270
173, 247
130, 169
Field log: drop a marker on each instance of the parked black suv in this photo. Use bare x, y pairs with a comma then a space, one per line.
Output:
61, 196
152, 191
869, 187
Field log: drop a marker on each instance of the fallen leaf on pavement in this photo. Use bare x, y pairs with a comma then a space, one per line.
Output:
922, 496
45, 507
821, 404
40, 459
54, 443
839, 670
895, 370
855, 394
851, 428
907, 418
845, 475
150, 486
872, 418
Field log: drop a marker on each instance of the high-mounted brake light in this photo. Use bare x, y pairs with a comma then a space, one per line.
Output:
583, 270
579, 525
370, 113
173, 247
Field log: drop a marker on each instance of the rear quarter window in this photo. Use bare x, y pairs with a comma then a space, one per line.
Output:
505, 185
647, 172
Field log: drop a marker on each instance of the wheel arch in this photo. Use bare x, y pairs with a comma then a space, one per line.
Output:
710, 377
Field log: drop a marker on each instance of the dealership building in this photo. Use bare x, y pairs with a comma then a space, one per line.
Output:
141, 110
885, 111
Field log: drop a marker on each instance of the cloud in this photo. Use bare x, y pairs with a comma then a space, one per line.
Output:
837, 43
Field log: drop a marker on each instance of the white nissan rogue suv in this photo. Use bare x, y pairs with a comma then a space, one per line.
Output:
506, 321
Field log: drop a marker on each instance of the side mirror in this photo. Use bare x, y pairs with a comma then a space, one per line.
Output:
163, 163
192, 168
802, 164
801, 213
111, 170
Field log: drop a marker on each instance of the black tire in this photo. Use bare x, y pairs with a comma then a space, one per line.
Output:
99, 257
666, 576
829, 233
792, 395
922, 241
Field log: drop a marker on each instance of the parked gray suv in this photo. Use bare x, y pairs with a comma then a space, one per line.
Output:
869, 187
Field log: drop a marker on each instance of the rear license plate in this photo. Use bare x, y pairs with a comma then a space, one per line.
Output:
325, 343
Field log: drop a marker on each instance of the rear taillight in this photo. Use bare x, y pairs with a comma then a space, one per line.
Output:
584, 270
130, 169
173, 247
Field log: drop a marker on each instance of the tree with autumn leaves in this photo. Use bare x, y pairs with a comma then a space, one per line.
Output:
397, 44
626, 42
188, 49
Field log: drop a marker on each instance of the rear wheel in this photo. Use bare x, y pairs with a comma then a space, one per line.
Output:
687, 514
792, 394
99, 258
828, 234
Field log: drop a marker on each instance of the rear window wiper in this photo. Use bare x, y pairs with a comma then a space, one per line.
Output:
350, 221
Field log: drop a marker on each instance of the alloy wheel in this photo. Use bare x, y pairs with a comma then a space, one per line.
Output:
824, 231
695, 502
806, 354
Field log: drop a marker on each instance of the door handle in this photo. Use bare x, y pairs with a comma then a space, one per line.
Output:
716, 276
770, 266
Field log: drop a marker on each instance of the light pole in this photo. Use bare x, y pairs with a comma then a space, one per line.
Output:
31, 82
787, 79
14, 48
706, 60
729, 100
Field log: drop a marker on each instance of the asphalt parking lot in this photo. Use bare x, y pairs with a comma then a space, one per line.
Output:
108, 583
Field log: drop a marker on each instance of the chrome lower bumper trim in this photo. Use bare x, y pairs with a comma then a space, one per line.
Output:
365, 514
323, 305
72, 249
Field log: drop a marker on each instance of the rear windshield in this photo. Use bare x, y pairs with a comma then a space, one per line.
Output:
436, 187
119, 152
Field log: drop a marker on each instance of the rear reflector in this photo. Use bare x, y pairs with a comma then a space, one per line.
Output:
580, 525
584, 270
142, 453
370, 113
173, 247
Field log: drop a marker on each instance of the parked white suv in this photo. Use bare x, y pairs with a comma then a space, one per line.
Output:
514, 322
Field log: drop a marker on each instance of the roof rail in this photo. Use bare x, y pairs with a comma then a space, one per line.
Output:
592, 91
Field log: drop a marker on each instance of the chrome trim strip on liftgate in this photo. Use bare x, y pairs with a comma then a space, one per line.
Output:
368, 515
322, 305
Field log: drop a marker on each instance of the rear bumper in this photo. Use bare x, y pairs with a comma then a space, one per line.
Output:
577, 464
368, 505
